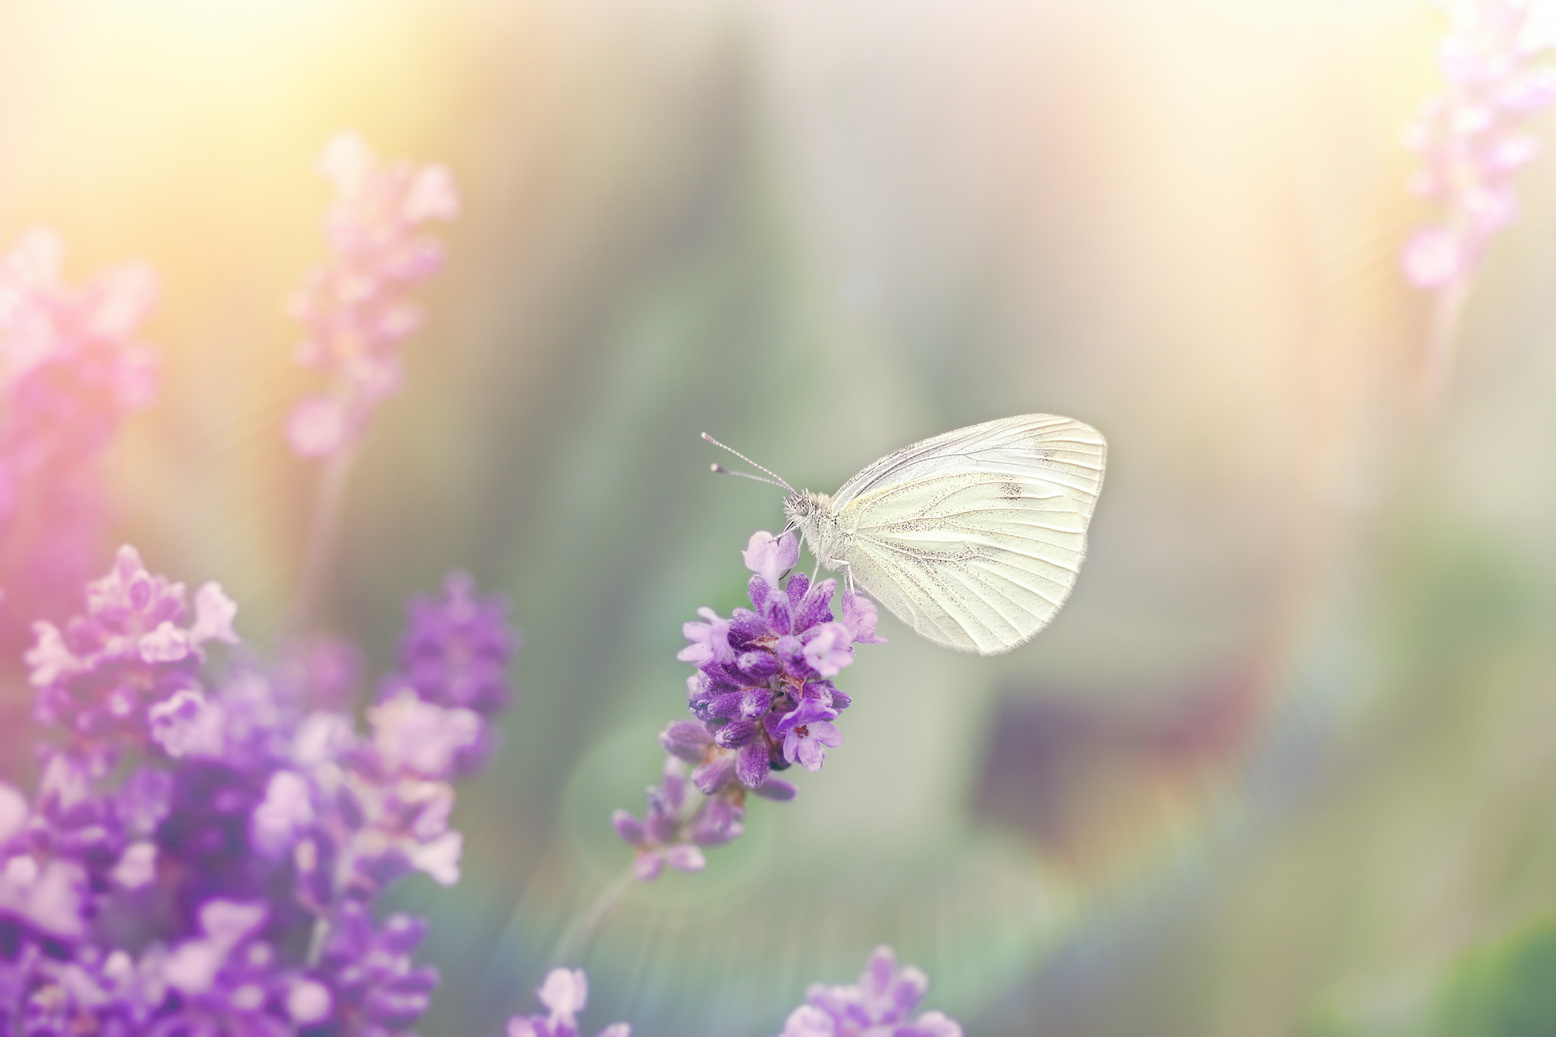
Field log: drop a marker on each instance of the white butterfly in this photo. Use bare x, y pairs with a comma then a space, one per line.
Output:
974, 538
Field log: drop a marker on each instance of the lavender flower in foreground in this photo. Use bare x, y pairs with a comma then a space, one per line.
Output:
879, 1005
763, 700
206, 861
355, 306
1472, 137
564, 994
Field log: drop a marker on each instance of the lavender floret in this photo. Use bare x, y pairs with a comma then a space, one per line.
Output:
564, 993
879, 1005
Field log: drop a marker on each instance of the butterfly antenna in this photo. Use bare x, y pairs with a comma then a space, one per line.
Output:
719, 469
725, 471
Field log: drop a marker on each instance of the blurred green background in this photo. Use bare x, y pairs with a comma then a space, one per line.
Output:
1285, 764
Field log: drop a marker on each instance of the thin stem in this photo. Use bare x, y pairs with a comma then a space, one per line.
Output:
1441, 344
578, 935
316, 938
323, 532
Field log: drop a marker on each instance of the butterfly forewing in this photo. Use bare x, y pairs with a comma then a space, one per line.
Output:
1060, 452
975, 537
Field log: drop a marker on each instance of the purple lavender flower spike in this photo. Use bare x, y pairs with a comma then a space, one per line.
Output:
762, 695
879, 1005
565, 992
1472, 137
457, 647
355, 307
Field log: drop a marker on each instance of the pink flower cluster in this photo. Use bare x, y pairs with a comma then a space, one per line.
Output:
1473, 137
355, 306
72, 366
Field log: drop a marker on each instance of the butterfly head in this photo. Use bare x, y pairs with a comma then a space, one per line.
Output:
803, 508
798, 509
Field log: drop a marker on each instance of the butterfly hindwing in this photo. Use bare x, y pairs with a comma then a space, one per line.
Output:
976, 537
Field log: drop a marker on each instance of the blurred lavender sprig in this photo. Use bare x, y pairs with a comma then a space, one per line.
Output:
357, 313
1473, 137
206, 861
564, 993
763, 699
879, 1005
72, 366
355, 307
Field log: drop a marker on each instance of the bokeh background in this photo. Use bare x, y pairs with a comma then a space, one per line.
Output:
1285, 762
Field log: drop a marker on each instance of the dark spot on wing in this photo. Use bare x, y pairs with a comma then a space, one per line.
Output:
1011, 491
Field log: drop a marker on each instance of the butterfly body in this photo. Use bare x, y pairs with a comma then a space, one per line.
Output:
811, 513
974, 537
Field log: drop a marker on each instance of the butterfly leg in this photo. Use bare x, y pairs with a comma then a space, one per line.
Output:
848, 572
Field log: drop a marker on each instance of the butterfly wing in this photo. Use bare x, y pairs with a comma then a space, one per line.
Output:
975, 537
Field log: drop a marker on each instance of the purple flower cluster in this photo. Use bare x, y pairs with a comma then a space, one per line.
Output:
563, 993
1473, 137
879, 1005
127, 671
455, 654
763, 700
203, 859
354, 306
71, 367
